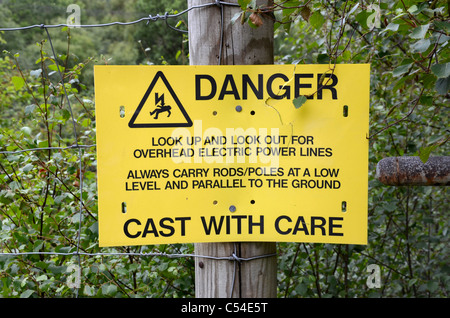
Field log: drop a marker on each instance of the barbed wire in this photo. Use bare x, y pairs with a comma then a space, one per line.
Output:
232, 257
12, 152
149, 18
77, 253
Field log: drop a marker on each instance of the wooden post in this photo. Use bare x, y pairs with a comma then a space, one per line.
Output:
237, 45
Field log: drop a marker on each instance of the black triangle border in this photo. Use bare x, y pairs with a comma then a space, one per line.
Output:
159, 75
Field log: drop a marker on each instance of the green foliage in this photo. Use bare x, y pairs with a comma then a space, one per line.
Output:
157, 44
40, 195
406, 43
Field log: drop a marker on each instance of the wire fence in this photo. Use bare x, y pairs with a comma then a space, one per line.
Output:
148, 19
79, 147
410, 219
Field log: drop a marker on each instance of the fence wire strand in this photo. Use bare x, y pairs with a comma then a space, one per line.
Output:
150, 18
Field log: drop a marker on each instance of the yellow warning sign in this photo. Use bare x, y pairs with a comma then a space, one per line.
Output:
222, 153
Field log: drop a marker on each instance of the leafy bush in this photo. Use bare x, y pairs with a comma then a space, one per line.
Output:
406, 43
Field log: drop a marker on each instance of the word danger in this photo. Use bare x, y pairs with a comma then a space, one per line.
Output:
276, 86
232, 225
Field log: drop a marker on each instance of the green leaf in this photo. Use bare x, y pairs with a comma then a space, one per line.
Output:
41, 278
94, 228
316, 20
362, 18
27, 293
18, 82
43, 144
30, 109
392, 26
65, 114
301, 289
443, 25
109, 290
299, 101
441, 70
432, 286
28, 167
424, 153
323, 58
88, 290
414, 9
243, 3
177, 55
426, 100
26, 130
55, 269
442, 85
390, 206
402, 69
428, 80
420, 46
419, 32
53, 67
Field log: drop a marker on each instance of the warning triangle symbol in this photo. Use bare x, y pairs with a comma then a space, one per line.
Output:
160, 107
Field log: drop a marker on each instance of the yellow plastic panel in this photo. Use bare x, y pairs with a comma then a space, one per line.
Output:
220, 153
